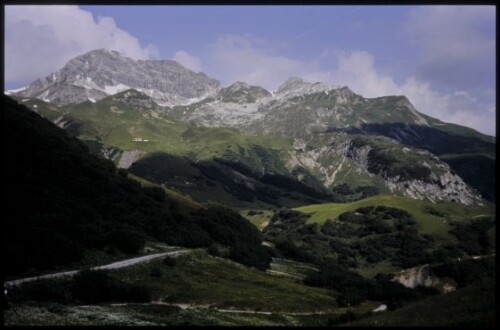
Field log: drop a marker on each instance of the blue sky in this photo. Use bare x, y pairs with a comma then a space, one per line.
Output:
441, 57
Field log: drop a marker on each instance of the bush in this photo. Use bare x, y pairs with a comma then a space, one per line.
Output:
227, 227
157, 193
156, 272
467, 271
122, 172
353, 297
383, 289
367, 191
339, 279
218, 250
257, 256
126, 240
169, 261
289, 250
473, 237
41, 290
94, 286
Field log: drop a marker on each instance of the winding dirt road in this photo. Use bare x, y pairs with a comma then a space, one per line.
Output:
114, 265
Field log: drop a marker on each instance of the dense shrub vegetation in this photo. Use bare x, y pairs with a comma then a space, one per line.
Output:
473, 237
353, 289
467, 271
229, 228
370, 234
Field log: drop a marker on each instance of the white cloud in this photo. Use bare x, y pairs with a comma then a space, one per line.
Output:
456, 45
357, 71
189, 61
249, 59
41, 39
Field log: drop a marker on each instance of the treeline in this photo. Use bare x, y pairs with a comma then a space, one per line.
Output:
62, 202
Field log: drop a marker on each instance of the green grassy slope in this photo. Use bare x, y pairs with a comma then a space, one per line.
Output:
429, 224
230, 285
186, 203
114, 122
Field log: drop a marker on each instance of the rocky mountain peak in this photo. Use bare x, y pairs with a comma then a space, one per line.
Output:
238, 85
99, 73
291, 84
294, 86
241, 92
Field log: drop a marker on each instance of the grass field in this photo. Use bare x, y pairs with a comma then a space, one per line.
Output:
185, 202
199, 278
260, 220
428, 223
290, 268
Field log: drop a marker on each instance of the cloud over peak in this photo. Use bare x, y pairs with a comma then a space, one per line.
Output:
191, 62
56, 34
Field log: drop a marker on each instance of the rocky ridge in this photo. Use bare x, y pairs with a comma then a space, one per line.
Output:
320, 118
99, 73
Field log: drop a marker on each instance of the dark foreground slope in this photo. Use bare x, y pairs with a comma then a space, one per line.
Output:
473, 306
62, 202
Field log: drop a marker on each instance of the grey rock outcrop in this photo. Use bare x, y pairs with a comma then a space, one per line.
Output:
99, 73
241, 92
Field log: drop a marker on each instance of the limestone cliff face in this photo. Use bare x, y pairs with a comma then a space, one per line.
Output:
423, 276
448, 187
403, 171
413, 173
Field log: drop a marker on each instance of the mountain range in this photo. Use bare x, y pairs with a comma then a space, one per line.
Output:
324, 135
307, 205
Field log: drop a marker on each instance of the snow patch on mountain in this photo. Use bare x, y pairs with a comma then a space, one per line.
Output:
13, 91
111, 90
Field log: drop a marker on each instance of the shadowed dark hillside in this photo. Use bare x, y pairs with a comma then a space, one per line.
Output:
436, 141
478, 171
224, 180
63, 201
